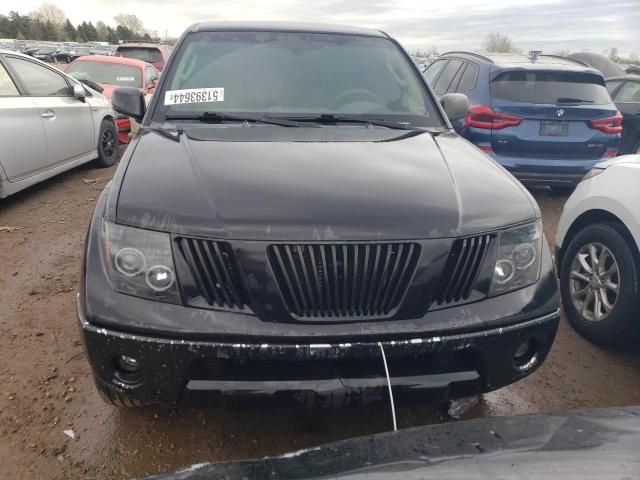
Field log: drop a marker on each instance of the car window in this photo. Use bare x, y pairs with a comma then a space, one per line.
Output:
468, 80
301, 73
456, 79
38, 80
7, 87
432, 70
151, 55
446, 77
630, 92
550, 87
151, 74
611, 86
103, 72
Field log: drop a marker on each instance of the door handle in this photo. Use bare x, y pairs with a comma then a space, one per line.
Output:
48, 114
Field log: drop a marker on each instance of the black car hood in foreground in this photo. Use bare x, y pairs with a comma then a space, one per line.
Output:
328, 183
590, 444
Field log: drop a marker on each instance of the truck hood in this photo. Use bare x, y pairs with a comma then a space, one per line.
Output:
326, 183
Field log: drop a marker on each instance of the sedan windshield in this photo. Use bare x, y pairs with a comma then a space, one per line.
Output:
295, 74
109, 73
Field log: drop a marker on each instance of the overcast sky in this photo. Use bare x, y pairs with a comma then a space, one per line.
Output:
446, 24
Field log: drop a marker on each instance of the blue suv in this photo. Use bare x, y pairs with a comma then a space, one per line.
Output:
547, 119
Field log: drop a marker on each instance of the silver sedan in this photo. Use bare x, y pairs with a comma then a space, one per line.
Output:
49, 123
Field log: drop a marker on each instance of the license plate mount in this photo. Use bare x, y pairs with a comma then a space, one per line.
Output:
550, 128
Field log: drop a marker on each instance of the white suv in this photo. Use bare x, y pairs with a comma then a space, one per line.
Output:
597, 252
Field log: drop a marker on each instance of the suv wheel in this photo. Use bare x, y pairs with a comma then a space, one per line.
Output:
599, 283
107, 144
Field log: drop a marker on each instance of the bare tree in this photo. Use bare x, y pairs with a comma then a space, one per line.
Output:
48, 12
498, 43
129, 21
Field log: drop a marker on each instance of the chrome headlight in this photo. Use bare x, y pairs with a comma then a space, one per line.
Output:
139, 262
518, 258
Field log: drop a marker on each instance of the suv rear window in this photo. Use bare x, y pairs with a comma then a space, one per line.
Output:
151, 55
543, 87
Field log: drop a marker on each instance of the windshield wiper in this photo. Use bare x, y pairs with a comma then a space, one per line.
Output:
215, 117
331, 118
572, 100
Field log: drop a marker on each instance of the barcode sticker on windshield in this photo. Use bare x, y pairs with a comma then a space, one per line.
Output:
194, 95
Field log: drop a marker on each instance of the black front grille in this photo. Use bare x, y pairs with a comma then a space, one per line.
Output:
215, 272
343, 281
461, 270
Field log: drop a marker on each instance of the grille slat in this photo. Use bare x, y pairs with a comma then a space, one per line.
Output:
214, 255
395, 297
478, 259
334, 267
381, 283
209, 280
215, 272
462, 268
354, 282
343, 281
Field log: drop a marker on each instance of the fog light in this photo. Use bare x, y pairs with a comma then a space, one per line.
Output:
526, 356
127, 364
127, 370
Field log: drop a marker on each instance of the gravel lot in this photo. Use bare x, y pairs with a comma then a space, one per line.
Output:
46, 386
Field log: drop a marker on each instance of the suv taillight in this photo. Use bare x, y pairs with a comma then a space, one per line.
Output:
483, 116
608, 124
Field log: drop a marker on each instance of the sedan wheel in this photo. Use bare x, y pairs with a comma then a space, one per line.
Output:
107, 144
600, 284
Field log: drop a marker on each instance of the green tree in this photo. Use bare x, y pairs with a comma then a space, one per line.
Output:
70, 31
103, 31
112, 36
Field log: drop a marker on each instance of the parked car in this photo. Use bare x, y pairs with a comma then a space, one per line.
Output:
111, 72
546, 119
597, 252
49, 123
285, 238
568, 444
625, 92
156, 54
68, 55
46, 54
600, 62
633, 70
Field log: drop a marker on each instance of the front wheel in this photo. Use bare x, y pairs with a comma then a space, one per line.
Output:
107, 144
600, 284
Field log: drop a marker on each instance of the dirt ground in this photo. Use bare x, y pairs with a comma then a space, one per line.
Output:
46, 388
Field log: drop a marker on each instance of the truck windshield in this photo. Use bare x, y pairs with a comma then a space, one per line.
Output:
295, 74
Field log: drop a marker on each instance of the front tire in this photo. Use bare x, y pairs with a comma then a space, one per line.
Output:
600, 285
107, 144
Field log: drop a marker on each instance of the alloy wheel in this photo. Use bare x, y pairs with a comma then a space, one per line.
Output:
107, 143
594, 282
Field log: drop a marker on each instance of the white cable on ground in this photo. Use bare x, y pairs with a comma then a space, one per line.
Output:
386, 371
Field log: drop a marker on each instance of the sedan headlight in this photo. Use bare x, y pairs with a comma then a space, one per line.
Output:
139, 262
518, 258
